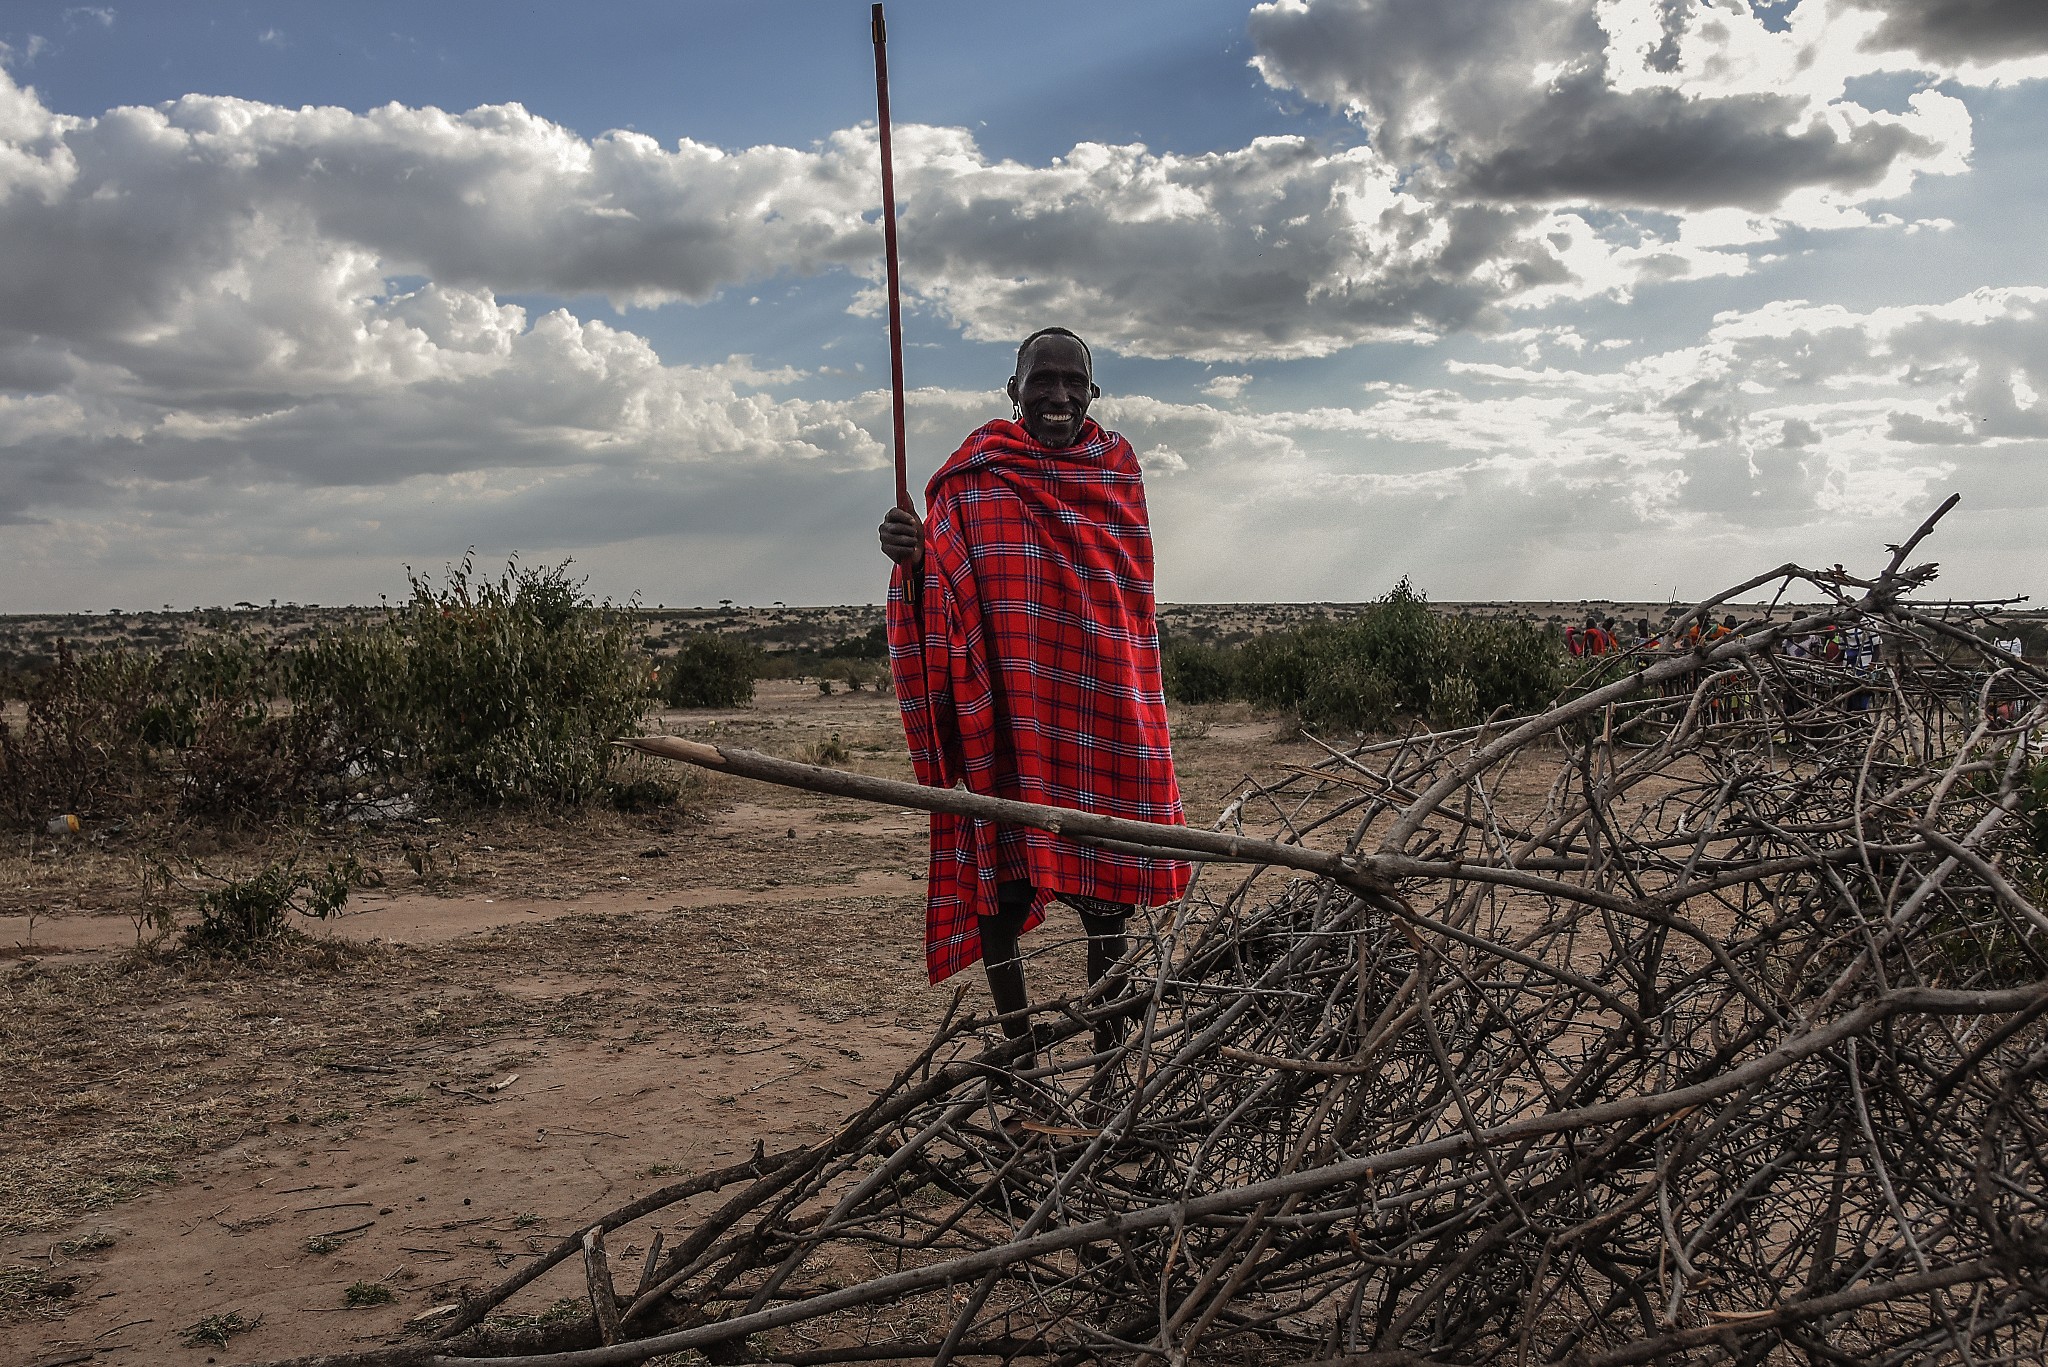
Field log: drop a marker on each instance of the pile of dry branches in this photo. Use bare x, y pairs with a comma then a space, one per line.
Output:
1699, 1018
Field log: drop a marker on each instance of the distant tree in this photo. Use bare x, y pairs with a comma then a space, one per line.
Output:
712, 670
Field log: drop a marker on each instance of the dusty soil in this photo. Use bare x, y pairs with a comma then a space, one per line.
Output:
528, 1023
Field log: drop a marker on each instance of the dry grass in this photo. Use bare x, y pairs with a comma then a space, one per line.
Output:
31, 1293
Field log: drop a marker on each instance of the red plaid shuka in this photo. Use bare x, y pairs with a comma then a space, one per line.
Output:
1027, 667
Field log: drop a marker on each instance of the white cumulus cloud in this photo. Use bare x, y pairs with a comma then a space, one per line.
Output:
1630, 104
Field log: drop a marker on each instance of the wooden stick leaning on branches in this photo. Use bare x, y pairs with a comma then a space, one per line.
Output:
1361, 873
1166, 841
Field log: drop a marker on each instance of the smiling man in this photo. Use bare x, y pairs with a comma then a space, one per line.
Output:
1025, 649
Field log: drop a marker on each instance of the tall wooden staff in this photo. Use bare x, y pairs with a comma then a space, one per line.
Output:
881, 35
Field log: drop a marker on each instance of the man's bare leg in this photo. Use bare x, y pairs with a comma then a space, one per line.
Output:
1107, 943
1004, 963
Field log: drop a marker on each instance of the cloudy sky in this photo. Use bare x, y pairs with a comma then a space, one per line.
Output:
1521, 298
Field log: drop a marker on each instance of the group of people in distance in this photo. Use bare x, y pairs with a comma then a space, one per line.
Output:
1601, 636
1854, 647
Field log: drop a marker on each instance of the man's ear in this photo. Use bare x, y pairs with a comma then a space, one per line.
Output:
1011, 389
1094, 391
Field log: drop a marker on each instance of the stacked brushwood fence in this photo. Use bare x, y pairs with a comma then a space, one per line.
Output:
1515, 1044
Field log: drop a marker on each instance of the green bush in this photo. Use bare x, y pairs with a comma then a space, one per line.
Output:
476, 690
490, 691
711, 669
1511, 662
80, 747
194, 685
1197, 673
242, 917
1273, 670
1454, 702
193, 731
247, 765
1403, 640
1398, 656
359, 676
361, 1294
1345, 693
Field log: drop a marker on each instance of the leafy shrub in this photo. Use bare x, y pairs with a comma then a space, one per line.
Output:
80, 746
244, 916
1454, 702
192, 685
359, 676
245, 764
1403, 640
475, 690
711, 669
113, 732
1398, 656
1272, 671
1512, 663
1197, 673
1345, 693
509, 690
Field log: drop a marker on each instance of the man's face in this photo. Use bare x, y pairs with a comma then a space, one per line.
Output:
1053, 388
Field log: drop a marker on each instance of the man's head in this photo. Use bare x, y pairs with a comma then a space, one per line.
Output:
1053, 386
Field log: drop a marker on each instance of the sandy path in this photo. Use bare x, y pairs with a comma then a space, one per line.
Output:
416, 918
428, 1200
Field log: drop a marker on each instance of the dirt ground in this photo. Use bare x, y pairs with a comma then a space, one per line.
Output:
528, 1023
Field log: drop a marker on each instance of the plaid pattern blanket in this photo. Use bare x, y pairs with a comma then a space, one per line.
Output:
1026, 660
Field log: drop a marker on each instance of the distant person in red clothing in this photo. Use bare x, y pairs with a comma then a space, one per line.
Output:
1025, 649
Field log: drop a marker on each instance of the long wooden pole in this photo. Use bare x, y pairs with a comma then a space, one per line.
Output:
881, 36
1160, 841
